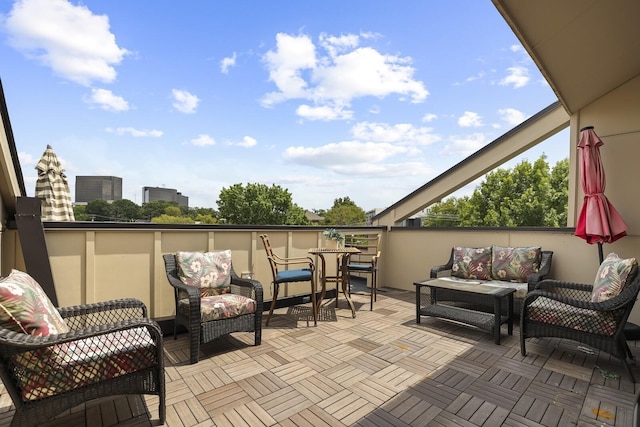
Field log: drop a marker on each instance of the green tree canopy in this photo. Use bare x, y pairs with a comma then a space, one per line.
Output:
344, 212
99, 210
257, 204
529, 195
125, 210
156, 208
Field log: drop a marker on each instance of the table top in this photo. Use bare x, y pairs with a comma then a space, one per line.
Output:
347, 250
466, 286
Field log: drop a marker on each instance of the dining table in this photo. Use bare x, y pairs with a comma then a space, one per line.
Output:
343, 255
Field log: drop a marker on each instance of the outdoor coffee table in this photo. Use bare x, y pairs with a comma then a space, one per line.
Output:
490, 322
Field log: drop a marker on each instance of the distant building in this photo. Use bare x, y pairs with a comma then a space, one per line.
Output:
313, 217
90, 188
370, 214
152, 194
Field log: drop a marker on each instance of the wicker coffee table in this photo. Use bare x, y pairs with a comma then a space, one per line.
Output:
427, 304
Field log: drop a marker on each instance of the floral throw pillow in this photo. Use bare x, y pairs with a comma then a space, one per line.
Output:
471, 263
515, 264
24, 307
206, 270
612, 277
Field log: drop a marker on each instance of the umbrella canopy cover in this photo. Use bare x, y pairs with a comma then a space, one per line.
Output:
599, 222
52, 187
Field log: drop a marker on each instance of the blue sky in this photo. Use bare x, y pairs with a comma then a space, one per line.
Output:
365, 99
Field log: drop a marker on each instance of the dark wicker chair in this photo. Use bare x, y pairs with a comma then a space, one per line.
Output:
112, 349
202, 332
564, 310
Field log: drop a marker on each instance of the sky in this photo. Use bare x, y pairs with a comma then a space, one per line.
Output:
366, 99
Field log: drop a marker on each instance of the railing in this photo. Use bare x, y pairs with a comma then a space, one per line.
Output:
99, 261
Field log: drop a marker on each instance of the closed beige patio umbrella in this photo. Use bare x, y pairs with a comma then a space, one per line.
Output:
53, 189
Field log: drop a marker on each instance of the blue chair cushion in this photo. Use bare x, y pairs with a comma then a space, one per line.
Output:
300, 275
360, 267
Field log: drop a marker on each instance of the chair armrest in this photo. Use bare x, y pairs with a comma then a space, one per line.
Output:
543, 271
15, 342
103, 312
444, 267
248, 287
577, 295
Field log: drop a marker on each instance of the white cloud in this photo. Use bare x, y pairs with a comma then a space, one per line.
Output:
517, 76
429, 117
346, 152
136, 132
464, 145
76, 44
346, 71
401, 133
227, 63
26, 158
323, 112
184, 101
247, 142
516, 48
203, 140
511, 116
470, 119
106, 100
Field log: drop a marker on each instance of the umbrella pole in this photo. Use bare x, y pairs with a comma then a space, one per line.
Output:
600, 254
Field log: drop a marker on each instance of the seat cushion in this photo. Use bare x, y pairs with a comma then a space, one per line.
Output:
219, 307
300, 275
611, 277
515, 264
206, 270
24, 307
67, 366
471, 263
360, 267
546, 310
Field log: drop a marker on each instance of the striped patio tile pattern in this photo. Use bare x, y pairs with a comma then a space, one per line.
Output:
379, 369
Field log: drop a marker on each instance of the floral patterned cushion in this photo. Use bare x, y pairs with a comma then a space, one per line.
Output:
612, 277
471, 263
84, 362
206, 270
220, 307
545, 310
24, 307
515, 264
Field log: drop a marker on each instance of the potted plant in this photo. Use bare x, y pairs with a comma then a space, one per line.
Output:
335, 239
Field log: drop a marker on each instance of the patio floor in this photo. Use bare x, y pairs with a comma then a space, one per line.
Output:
379, 369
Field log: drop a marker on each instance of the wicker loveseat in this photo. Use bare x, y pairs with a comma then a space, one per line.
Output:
584, 312
513, 267
209, 312
52, 360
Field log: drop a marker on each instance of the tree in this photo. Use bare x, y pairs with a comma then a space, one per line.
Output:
99, 210
156, 208
529, 195
125, 210
80, 213
171, 219
257, 204
344, 212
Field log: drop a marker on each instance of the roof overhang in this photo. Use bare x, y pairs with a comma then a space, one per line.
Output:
584, 48
11, 180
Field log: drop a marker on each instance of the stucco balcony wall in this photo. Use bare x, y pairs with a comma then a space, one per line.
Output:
95, 262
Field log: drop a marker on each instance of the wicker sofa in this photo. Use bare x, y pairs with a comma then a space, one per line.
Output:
513, 267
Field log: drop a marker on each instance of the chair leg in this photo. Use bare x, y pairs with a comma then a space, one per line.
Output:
194, 344
276, 288
374, 295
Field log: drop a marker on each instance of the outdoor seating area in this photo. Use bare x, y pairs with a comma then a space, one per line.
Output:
380, 368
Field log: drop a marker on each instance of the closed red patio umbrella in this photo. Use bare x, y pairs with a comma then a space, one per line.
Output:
599, 222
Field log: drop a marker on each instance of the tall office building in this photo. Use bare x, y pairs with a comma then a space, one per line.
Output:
90, 188
152, 194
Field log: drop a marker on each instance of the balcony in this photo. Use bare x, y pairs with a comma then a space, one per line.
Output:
380, 368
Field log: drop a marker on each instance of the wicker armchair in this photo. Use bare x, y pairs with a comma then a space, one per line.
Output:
564, 310
112, 348
188, 300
